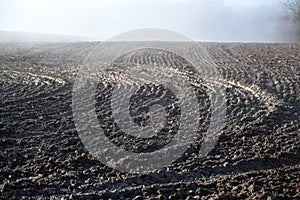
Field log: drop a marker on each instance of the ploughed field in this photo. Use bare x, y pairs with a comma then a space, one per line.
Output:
257, 155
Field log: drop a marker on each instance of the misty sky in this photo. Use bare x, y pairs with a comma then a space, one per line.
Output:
204, 20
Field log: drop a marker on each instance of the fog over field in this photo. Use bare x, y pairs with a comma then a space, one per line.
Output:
106, 99
202, 20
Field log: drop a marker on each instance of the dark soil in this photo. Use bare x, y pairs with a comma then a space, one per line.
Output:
256, 157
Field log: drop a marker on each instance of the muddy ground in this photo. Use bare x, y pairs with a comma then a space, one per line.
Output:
257, 155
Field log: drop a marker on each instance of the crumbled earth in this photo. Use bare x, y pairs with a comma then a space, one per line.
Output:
256, 157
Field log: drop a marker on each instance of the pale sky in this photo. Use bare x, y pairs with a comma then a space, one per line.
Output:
204, 20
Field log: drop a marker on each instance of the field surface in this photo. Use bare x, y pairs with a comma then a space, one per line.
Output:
257, 155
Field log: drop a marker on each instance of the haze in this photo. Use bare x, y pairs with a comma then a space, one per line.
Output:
201, 20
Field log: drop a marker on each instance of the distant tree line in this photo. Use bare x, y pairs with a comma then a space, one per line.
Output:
294, 7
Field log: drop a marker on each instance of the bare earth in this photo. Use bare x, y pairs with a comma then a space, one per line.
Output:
257, 155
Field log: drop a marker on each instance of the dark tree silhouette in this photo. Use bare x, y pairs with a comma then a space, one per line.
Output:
294, 7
